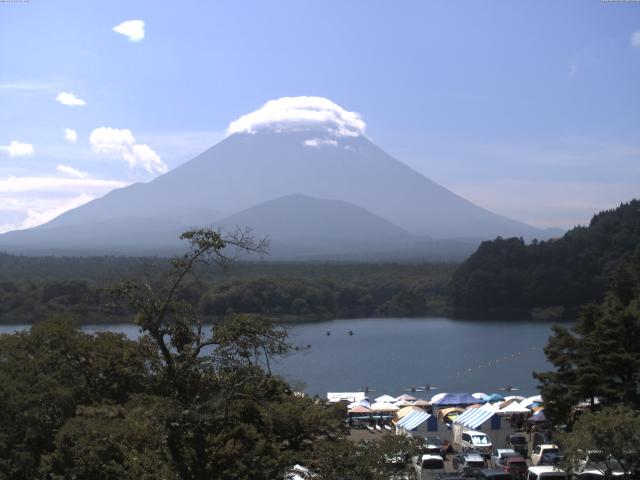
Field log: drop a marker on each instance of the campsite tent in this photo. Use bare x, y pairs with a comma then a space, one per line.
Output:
385, 399
413, 423
537, 417
487, 421
407, 410
454, 399
494, 397
438, 396
443, 412
359, 409
384, 407
514, 408
531, 400
406, 397
334, 397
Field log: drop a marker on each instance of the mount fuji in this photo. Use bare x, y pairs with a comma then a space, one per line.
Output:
299, 169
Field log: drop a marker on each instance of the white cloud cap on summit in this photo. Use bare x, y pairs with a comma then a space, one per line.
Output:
132, 29
120, 141
300, 114
70, 99
635, 39
17, 149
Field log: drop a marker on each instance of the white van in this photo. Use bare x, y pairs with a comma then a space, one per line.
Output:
546, 472
472, 439
428, 467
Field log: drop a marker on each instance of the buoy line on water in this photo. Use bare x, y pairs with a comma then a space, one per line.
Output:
495, 363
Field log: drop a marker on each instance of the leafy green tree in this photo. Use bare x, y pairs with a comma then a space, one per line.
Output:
186, 401
226, 413
612, 435
378, 459
111, 442
46, 374
600, 357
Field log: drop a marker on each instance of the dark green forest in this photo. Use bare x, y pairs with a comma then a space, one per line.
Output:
33, 288
503, 275
565, 272
183, 402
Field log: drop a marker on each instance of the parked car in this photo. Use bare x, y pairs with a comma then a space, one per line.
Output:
595, 474
546, 473
298, 472
428, 467
500, 453
540, 450
434, 446
551, 458
494, 475
519, 443
515, 465
468, 463
539, 438
471, 439
592, 465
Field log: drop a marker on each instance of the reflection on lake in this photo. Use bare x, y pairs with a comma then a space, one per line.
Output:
392, 354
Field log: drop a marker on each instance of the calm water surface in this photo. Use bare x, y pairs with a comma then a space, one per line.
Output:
392, 354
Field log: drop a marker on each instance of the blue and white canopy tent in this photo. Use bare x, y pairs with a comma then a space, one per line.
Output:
487, 420
414, 422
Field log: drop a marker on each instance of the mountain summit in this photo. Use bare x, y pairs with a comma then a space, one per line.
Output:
293, 145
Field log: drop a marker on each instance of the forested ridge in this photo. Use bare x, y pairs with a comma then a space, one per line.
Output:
565, 272
33, 288
503, 274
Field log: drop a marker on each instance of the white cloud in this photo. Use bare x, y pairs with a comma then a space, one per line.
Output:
30, 86
39, 216
26, 202
70, 99
70, 135
17, 149
635, 39
74, 172
300, 114
122, 143
14, 184
144, 156
132, 29
111, 140
319, 142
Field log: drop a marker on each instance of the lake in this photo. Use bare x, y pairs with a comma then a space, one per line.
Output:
392, 354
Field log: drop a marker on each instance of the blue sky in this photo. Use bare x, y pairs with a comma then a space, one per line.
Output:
531, 109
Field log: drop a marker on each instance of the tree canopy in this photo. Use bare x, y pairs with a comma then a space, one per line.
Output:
188, 400
600, 357
607, 441
566, 272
